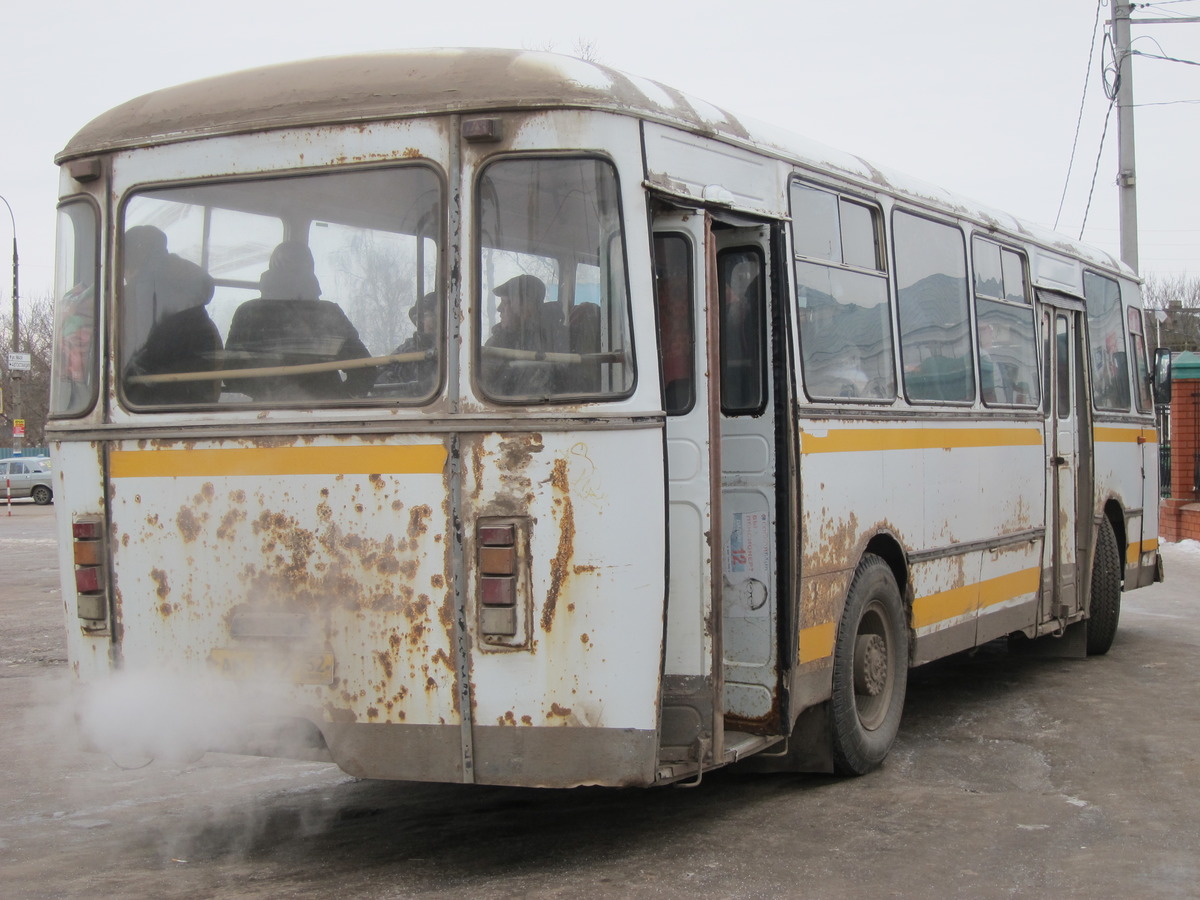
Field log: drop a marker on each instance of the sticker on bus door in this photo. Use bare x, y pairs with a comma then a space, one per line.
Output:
747, 560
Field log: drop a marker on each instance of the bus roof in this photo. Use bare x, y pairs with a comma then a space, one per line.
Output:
379, 86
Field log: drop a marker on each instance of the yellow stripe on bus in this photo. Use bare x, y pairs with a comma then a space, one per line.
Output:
1133, 553
1108, 434
419, 459
939, 607
847, 440
816, 641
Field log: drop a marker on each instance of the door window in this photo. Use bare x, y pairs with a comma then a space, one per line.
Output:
1106, 334
673, 293
741, 305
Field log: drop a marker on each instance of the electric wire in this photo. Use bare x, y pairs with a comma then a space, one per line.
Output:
1087, 78
1186, 62
1096, 171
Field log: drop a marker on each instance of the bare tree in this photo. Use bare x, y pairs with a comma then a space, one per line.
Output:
1173, 303
586, 50
582, 49
37, 335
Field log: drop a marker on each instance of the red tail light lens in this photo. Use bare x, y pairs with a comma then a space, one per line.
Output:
497, 564
89, 556
88, 580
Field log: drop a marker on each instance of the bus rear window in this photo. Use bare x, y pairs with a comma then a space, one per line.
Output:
312, 290
73, 387
553, 311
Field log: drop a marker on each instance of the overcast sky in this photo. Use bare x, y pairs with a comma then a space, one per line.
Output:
980, 97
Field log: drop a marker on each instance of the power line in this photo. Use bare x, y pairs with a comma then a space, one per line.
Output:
1087, 78
1186, 62
1096, 171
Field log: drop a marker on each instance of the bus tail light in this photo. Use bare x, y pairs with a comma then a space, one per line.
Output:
91, 602
499, 566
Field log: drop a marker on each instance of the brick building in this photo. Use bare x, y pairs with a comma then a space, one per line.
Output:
1179, 514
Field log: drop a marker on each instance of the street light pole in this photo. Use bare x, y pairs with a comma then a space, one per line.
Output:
16, 334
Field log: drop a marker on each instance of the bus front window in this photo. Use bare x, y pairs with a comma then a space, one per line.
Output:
310, 290
553, 314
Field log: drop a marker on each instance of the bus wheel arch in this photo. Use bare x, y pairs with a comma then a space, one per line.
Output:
870, 668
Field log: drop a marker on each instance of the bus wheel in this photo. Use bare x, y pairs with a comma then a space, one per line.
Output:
1106, 591
870, 670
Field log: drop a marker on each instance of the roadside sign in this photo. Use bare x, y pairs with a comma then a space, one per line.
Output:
19, 362
18, 428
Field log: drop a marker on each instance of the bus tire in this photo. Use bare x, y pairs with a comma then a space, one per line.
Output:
870, 670
1105, 607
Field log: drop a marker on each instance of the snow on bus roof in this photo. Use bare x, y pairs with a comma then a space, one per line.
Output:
380, 86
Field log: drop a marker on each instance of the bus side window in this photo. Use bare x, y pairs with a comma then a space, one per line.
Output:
842, 298
931, 282
743, 336
1004, 315
676, 324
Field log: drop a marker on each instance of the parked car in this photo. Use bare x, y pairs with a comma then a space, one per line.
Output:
27, 477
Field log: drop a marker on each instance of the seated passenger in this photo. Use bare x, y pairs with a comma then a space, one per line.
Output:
166, 329
415, 377
521, 328
289, 326
520, 311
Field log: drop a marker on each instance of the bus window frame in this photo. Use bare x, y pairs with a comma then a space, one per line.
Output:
98, 368
1004, 302
955, 225
150, 188
475, 300
881, 272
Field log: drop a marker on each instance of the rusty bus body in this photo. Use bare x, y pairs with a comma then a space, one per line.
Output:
749, 450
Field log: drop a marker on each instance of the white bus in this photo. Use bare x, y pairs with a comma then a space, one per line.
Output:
498, 417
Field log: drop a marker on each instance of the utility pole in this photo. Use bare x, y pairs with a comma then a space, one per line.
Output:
1126, 170
18, 440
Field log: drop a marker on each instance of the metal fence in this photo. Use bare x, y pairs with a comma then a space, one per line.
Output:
6, 452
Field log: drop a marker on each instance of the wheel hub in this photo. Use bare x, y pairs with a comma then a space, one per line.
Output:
870, 664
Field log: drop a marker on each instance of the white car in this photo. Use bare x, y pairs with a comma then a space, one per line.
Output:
27, 477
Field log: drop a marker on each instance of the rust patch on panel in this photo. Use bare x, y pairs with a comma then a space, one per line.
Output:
189, 524
833, 546
385, 662
229, 523
560, 566
417, 524
561, 712
162, 588
517, 453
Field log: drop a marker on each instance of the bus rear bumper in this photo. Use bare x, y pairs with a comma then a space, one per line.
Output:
524, 756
